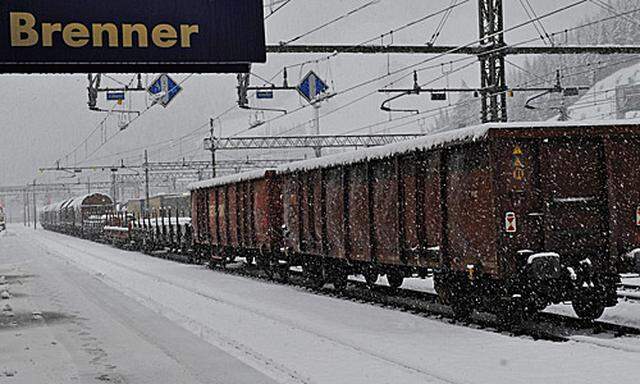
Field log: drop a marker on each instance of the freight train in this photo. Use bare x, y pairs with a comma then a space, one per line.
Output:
508, 218
83, 216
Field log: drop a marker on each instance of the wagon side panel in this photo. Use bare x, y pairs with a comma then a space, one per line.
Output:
275, 209
623, 156
211, 215
223, 215
432, 221
335, 213
471, 216
233, 201
518, 194
311, 201
291, 207
359, 225
261, 202
409, 231
386, 212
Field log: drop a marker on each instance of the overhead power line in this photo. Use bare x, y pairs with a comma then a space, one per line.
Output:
522, 49
333, 21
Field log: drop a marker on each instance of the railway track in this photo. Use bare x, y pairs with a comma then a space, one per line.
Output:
629, 292
544, 326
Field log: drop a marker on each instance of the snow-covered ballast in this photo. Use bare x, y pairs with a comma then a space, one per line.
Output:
237, 215
474, 205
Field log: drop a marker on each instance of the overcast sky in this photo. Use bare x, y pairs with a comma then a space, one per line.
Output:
44, 117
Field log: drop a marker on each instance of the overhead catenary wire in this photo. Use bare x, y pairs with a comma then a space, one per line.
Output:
144, 111
523, 42
397, 29
517, 44
540, 27
583, 25
332, 21
382, 36
614, 11
97, 127
470, 101
436, 57
441, 24
282, 4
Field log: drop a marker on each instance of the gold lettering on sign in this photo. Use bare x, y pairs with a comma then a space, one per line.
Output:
22, 32
141, 32
99, 31
186, 31
75, 35
25, 31
47, 33
164, 36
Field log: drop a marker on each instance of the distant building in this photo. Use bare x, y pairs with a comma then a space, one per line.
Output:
180, 203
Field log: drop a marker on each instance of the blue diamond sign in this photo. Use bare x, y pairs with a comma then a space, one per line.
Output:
311, 87
165, 89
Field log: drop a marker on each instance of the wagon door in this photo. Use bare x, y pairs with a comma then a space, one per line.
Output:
573, 185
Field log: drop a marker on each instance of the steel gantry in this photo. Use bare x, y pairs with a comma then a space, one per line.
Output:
323, 141
173, 166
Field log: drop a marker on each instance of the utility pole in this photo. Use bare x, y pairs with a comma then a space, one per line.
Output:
89, 185
146, 182
316, 124
114, 190
35, 212
213, 149
25, 206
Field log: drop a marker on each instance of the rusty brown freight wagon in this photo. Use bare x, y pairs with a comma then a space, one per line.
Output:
509, 216
238, 216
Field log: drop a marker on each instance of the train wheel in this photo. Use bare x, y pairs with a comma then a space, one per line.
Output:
395, 279
454, 293
461, 308
371, 277
283, 273
340, 279
314, 276
249, 259
511, 313
589, 304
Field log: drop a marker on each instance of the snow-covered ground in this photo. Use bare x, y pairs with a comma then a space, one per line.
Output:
625, 313
126, 317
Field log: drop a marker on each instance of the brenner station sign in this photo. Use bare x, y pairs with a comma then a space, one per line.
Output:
52, 36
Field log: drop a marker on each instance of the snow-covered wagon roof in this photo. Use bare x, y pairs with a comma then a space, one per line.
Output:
462, 135
235, 178
74, 202
79, 201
